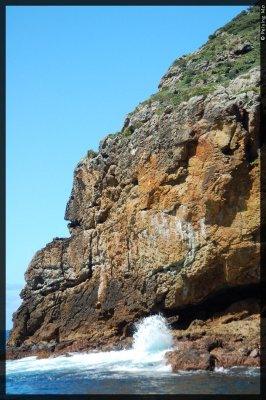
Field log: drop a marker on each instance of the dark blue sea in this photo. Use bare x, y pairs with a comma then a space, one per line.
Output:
140, 370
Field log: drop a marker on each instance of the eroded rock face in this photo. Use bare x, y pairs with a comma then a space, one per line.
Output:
225, 339
160, 219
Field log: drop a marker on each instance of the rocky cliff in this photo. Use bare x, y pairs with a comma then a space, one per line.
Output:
166, 215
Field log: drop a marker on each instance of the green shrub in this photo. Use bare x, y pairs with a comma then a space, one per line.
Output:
114, 135
249, 89
200, 91
92, 153
127, 132
194, 80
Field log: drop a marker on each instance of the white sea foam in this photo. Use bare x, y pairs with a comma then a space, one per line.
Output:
150, 342
222, 370
253, 371
152, 335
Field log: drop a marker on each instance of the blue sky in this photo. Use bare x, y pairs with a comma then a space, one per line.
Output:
73, 73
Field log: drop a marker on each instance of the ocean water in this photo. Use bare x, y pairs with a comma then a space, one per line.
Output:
139, 370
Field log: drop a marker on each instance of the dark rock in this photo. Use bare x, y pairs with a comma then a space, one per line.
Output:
243, 49
190, 360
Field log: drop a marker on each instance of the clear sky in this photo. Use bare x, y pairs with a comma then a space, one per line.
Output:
73, 73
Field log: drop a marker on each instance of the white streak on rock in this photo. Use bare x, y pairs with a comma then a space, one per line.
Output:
202, 227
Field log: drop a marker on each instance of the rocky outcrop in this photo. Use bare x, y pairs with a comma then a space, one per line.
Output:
224, 339
164, 216
190, 360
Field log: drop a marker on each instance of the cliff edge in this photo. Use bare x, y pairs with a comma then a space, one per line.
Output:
166, 216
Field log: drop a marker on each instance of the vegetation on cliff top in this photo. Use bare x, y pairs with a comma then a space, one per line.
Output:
231, 51
92, 154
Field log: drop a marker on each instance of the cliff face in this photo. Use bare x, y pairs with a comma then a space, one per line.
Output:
166, 215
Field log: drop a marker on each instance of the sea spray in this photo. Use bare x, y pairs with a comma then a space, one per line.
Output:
141, 369
151, 341
152, 335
